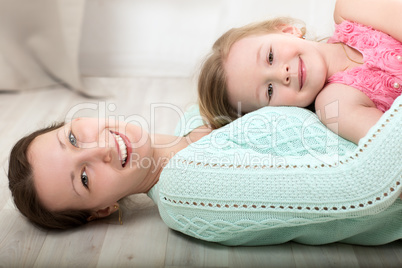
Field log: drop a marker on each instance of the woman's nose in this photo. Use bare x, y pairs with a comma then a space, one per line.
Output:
102, 154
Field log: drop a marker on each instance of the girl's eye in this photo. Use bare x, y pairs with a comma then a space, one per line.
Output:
270, 57
84, 179
270, 91
72, 139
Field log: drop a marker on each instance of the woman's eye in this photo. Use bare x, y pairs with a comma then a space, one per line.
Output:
72, 139
270, 91
270, 57
84, 179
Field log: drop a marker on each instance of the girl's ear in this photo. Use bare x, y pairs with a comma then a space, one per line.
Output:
290, 29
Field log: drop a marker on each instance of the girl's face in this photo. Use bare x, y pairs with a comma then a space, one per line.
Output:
81, 165
277, 69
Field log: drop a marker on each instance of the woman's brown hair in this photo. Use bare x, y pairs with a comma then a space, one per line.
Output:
23, 190
212, 88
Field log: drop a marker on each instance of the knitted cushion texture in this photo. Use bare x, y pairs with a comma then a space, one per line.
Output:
278, 174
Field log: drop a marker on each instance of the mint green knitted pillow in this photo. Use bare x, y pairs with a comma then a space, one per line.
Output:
278, 174
280, 131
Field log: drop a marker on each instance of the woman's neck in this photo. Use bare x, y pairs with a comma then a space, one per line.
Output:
164, 148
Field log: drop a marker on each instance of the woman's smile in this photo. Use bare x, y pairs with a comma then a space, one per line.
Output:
123, 146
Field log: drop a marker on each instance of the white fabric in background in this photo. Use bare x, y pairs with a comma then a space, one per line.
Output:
169, 38
39, 43
49, 42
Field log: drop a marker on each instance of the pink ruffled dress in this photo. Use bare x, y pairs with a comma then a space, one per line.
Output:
380, 77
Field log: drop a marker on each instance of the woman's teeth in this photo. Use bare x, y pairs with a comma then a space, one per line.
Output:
123, 148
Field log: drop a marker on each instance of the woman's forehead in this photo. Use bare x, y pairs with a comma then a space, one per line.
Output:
50, 169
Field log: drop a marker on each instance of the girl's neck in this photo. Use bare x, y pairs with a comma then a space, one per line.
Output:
338, 57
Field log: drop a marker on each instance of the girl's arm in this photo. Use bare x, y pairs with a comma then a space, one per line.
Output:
346, 111
384, 15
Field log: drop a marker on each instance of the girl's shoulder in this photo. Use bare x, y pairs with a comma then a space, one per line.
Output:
336, 99
346, 111
341, 93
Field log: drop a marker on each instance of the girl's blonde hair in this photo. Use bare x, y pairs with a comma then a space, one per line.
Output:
212, 88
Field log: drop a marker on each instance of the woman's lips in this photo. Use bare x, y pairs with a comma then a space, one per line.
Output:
128, 146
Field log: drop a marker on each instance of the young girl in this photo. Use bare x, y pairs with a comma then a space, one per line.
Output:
352, 79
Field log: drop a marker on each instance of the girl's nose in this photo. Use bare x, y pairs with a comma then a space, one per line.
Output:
285, 74
281, 74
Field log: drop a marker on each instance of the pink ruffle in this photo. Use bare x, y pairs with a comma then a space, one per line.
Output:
380, 77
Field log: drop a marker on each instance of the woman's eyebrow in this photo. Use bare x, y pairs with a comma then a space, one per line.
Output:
72, 182
63, 147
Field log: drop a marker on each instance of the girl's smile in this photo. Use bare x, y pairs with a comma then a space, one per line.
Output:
302, 74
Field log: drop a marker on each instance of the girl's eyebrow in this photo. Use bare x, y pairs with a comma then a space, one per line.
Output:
258, 56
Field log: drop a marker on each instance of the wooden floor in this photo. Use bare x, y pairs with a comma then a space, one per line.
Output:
143, 240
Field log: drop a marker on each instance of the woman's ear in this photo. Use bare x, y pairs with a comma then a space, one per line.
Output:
290, 29
104, 212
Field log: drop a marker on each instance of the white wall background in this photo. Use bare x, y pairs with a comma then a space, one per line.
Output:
171, 37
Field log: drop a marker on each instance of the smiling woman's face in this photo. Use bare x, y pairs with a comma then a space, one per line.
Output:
83, 165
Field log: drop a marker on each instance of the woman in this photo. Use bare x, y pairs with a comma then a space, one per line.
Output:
52, 171
273, 176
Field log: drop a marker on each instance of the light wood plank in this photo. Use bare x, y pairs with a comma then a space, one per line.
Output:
73, 248
20, 243
184, 251
139, 242
268, 256
333, 255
